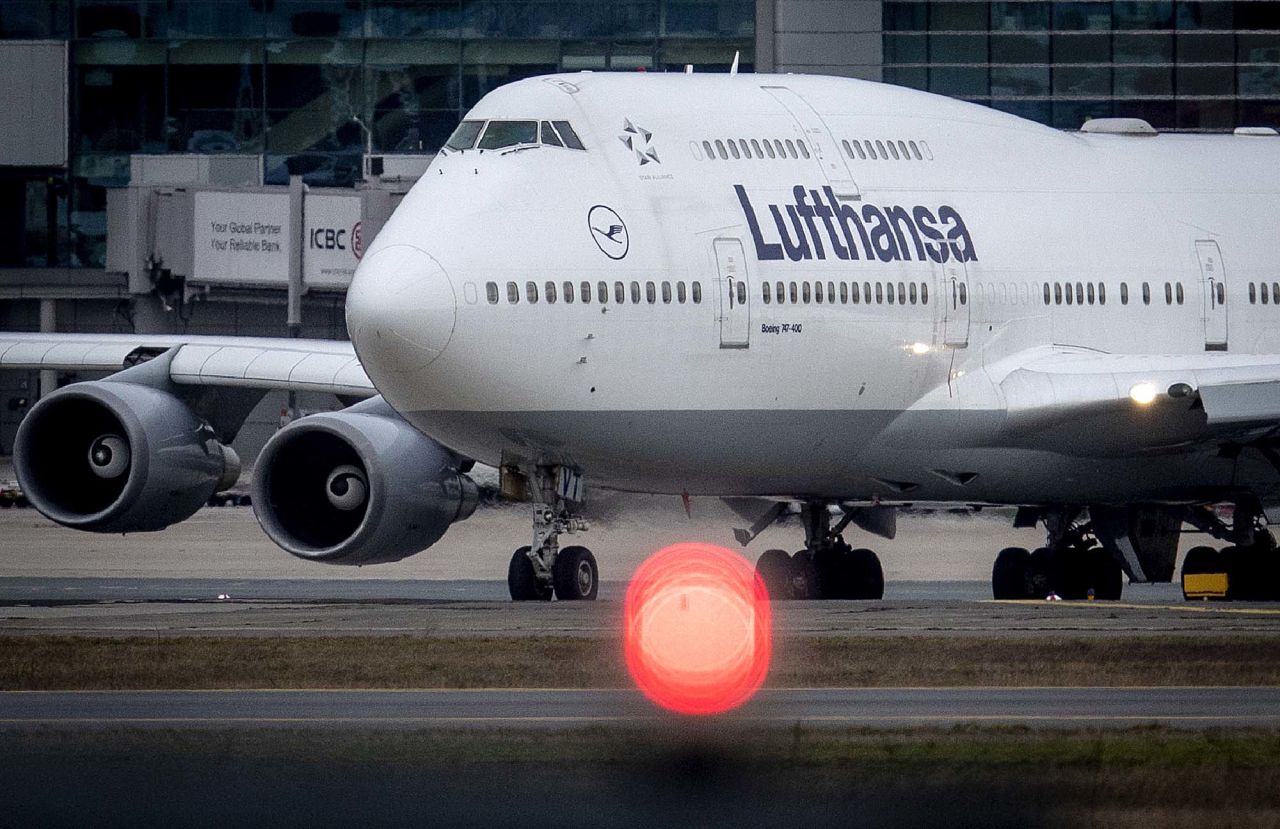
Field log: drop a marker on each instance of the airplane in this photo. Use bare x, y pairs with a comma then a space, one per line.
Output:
791, 292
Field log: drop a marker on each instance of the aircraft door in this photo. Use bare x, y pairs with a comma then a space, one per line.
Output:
1213, 282
735, 294
955, 304
820, 138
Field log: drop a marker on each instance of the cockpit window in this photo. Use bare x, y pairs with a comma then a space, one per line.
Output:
509, 134
549, 136
570, 137
464, 137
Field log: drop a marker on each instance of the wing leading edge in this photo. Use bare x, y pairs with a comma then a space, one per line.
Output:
240, 362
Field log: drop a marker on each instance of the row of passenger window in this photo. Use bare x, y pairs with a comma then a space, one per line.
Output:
565, 292
1260, 291
879, 150
849, 293
1081, 293
730, 148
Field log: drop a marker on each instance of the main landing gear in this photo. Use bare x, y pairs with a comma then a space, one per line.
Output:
827, 568
542, 569
1072, 565
1247, 570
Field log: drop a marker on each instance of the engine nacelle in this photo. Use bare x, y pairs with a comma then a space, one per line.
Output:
116, 457
359, 486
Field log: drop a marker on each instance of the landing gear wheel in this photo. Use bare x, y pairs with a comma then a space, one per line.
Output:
1041, 567
522, 582
1201, 562
575, 575
804, 576
1106, 577
865, 574
1010, 574
834, 578
774, 569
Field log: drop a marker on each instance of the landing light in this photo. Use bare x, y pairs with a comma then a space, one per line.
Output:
1144, 394
697, 629
920, 349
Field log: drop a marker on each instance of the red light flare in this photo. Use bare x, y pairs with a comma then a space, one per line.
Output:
697, 631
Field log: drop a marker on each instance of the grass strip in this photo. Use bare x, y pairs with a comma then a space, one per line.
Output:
80, 663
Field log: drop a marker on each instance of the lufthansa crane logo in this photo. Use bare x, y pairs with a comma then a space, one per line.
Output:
609, 231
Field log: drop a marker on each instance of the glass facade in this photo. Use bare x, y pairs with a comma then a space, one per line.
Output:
1193, 66
288, 78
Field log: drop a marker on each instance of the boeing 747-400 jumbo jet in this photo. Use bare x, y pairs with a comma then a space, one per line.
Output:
785, 291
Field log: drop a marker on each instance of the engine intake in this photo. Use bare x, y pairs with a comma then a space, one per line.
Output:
359, 486
117, 457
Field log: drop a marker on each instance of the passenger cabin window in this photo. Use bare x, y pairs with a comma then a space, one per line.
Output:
804, 150
491, 292
584, 291
1124, 293
550, 290
619, 293
464, 137
706, 147
697, 293
742, 293
1146, 293
500, 134
650, 292
681, 294
666, 293
635, 292
602, 292
765, 292
531, 291
513, 293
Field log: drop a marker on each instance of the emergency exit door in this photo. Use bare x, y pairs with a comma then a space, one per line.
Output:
735, 294
1213, 280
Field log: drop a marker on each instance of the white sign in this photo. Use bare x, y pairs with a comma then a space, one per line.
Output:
334, 242
242, 238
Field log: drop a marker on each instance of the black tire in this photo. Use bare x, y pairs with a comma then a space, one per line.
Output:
522, 582
1041, 572
774, 569
1197, 561
575, 575
865, 572
833, 578
1009, 574
1107, 579
804, 576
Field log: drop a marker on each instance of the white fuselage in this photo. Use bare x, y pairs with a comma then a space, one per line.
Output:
831, 398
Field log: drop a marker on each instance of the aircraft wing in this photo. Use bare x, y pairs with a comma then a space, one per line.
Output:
244, 362
1097, 404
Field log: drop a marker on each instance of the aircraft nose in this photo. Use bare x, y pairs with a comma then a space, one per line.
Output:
401, 310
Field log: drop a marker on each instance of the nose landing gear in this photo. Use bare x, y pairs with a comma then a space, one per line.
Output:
542, 569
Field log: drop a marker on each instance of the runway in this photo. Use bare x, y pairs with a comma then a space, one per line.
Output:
103, 606
1207, 707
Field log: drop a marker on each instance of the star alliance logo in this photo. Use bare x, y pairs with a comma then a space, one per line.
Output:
640, 142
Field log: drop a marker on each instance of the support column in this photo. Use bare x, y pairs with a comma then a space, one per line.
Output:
297, 208
48, 325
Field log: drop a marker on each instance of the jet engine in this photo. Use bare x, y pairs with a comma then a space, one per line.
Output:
360, 486
118, 457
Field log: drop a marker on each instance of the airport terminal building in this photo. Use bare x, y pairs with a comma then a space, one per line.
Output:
127, 121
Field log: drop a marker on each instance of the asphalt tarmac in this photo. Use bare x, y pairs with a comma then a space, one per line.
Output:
1203, 707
